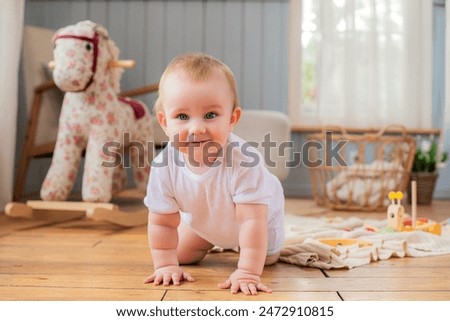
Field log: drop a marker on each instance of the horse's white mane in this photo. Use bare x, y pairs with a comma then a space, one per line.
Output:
116, 72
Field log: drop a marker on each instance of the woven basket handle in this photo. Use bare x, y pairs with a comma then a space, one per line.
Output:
333, 128
401, 128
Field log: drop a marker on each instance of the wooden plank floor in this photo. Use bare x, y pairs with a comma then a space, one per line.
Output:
86, 260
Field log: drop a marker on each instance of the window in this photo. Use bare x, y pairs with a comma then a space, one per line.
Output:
363, 63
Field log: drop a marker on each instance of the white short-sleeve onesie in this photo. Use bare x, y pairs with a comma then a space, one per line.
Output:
207, 202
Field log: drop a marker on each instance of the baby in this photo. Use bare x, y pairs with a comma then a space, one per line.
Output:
205, 188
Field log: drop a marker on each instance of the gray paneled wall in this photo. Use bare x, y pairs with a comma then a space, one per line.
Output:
249, 36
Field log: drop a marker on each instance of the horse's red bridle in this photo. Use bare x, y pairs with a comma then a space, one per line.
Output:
138, 108
94, 41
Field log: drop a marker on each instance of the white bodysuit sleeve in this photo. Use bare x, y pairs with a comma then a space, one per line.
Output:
160, 197
251, 185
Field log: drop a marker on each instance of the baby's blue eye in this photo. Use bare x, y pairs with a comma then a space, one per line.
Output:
183, 117
210, 115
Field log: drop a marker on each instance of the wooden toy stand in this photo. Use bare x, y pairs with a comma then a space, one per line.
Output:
126, 215
395, 215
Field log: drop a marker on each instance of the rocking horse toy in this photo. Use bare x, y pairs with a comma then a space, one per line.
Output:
95, 119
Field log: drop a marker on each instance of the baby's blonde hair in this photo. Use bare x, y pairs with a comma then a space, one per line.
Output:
197, 66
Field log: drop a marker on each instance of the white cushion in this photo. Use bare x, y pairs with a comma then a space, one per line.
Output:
254, 125
37, 52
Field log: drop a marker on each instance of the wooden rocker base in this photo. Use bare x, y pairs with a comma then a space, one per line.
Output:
65, 210
118, 217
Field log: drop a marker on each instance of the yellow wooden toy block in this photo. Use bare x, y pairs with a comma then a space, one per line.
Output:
345, 242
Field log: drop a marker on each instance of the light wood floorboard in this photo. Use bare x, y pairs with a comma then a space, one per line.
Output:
85, 260
396, 296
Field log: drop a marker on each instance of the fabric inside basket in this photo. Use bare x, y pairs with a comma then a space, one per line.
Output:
365, 184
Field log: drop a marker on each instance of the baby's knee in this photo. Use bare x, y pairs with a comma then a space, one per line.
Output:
272, 259
191, 257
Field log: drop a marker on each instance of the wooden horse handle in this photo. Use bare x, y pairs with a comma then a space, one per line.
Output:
122, 64
111, 64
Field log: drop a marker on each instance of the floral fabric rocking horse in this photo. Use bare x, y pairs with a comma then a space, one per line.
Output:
94, 118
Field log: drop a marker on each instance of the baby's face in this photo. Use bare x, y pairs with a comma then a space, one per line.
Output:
198, 114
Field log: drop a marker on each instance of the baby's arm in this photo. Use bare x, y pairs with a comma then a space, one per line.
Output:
253, 250
163, 239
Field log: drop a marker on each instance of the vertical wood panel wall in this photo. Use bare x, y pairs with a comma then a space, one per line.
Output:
249, 36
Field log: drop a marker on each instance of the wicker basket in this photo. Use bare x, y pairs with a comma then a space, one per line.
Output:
357, 171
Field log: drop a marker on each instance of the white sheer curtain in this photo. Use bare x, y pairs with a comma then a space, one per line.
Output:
373, 63
11, 26
445, 140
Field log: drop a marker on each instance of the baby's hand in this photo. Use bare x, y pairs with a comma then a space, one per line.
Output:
247, 282
167, 274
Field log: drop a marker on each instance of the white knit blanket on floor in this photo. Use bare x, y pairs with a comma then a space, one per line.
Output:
302, 246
